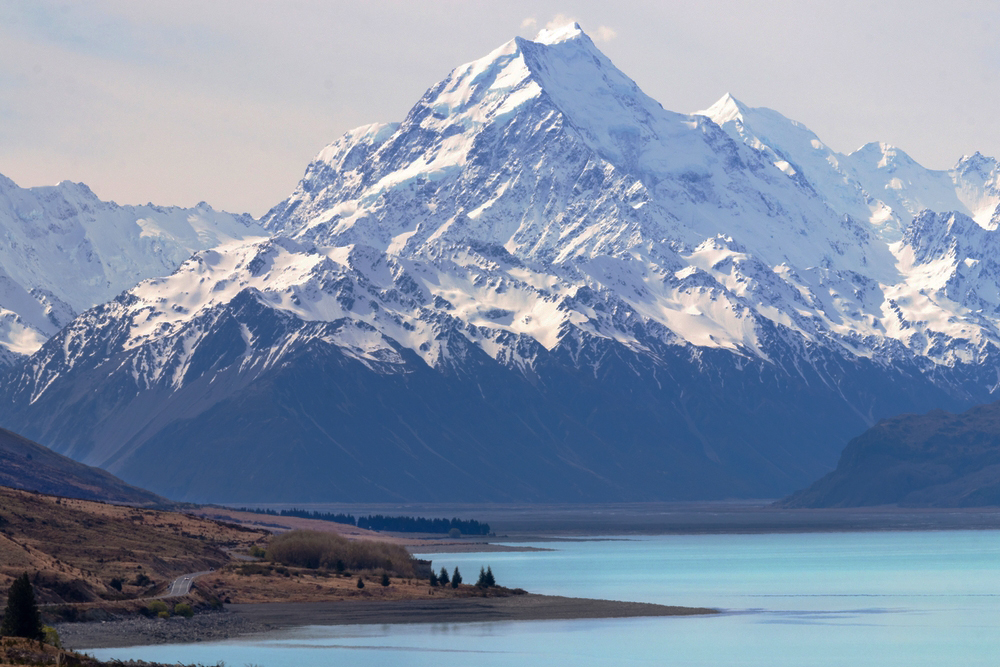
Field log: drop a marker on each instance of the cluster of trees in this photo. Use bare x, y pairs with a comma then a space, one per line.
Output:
486, 578
396, 524
313, 549
443, 579
410, 524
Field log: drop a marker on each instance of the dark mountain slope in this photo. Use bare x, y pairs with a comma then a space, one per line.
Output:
27, 465
938, 459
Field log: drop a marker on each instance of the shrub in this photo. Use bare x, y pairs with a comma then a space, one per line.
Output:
21, 618
157, 607
142, 580
257, 552
454, 533
313, 549
183, 609
116, 583
163, 614
385, 579
361, 582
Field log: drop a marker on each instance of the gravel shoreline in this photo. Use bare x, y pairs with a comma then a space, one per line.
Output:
251, 619
141, 631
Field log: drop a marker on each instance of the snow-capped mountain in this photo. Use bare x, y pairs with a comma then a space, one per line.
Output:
541, 285
63, 250
878, 183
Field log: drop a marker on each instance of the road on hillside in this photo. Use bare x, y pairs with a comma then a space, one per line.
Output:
182, 584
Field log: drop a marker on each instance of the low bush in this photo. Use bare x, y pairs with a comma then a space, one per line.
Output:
313, 549
156, 608
183, 609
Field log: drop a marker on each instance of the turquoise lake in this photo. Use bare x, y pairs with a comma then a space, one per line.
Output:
858, 599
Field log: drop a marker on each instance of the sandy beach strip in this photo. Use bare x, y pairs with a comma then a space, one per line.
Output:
240, 620
527, 607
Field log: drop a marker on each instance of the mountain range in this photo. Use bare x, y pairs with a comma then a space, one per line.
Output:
64, 250
539, 285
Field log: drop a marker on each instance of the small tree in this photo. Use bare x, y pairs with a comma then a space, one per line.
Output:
21, 618
490, 579
385, 578
361, 582
434, 579
443, 577
481, 582
456, 578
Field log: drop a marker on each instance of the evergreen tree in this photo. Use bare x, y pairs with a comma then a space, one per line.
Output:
481, 582
434, 579
490, 579
443, 577
21, 618
456, 578
361, 582
385, 579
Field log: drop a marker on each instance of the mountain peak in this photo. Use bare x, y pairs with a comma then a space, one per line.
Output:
563, 33
883, 155
728, 108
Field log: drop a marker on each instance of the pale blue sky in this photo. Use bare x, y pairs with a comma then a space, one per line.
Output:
225, 101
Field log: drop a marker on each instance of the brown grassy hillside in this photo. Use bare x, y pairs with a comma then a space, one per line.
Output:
78, 547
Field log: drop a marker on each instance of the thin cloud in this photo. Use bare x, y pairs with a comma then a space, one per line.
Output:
529, 23
605, 34
602, 34
558, 21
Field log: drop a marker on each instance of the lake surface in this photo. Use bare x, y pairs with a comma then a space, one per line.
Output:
879, 599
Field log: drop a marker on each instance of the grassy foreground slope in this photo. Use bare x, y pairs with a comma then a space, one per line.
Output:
83, 551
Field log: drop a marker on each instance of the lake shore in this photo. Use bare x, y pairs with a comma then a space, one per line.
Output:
240, 620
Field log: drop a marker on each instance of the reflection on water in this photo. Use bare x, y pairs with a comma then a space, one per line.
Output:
885, 599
